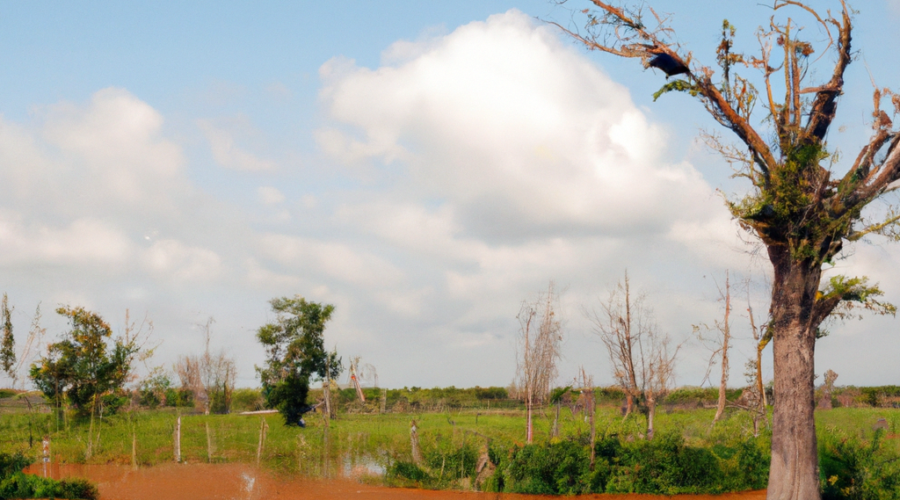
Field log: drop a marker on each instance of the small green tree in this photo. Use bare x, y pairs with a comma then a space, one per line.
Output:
8, 342
295, 353
84, 367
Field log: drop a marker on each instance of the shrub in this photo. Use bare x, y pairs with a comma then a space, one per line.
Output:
408, 471
454, 462
20, 485
11, 463
16, 484
855, 470
247, 400
561, 468
666, 466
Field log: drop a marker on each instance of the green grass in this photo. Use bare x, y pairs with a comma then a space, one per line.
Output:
376, 440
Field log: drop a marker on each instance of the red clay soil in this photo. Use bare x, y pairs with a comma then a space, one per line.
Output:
243, 482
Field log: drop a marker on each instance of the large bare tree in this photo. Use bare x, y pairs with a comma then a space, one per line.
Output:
799, 206
539, 340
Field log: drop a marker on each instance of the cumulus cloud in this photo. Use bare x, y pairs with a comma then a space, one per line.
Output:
523, 136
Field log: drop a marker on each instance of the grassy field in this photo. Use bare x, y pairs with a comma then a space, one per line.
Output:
375, 437
370, 444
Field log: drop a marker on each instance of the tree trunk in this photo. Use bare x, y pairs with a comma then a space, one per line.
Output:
651, 412
726, 335
794, 473
530, 431
555, 421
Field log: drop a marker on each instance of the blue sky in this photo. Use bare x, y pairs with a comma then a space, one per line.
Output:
423, 166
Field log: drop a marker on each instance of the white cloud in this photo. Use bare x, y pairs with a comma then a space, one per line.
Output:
173, 259
227, 153
83, 241
524, 137
331, 260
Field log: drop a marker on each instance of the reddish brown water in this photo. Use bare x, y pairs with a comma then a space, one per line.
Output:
243, 482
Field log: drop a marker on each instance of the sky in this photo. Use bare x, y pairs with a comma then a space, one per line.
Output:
424, 167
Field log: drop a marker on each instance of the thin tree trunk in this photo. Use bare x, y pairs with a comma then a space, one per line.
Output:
414, 443
794, 473
208, 445
726, 334
651, 413
530, 431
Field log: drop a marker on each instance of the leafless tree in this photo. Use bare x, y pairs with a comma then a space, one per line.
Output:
621, 323
30, 350
802, 210
360, 372
538, 349
643, 361
719, 346
209, 376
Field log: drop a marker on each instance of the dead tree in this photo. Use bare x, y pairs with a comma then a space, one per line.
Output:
802, 210
827, 389
657, 372
209, 376
719, 347
621, 323
539, 339
360, 372
643, 363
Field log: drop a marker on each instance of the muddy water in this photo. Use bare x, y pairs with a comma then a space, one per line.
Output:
243, 482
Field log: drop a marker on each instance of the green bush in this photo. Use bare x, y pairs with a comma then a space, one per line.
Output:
408, 471
453, 461
561, 468
852, 469
20, 485
7, 393
16, 484
665, 465
12, 462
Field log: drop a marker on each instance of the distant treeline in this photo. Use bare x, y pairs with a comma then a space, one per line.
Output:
441, 398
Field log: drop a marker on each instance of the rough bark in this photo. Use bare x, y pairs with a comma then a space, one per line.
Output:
794, 472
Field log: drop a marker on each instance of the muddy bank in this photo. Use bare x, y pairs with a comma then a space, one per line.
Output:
244, 482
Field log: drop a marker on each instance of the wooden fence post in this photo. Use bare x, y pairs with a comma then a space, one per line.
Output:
46, 450
262, 439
